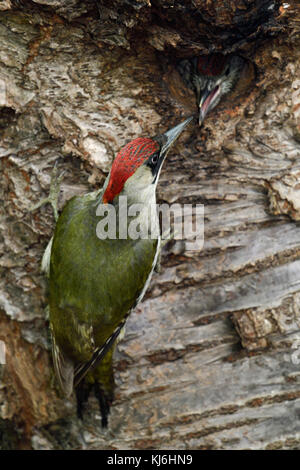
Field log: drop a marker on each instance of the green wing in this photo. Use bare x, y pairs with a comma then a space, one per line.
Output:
93, 284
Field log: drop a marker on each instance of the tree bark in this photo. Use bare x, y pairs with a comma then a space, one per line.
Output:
210, 359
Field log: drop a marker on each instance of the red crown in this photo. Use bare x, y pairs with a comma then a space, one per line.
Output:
125, 164
211, 65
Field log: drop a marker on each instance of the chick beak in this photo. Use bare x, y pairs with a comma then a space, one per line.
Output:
202, 108
206, 99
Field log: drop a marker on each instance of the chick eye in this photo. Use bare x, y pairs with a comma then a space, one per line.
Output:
154, 159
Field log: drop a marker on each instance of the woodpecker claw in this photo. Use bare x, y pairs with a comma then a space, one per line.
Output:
53, 195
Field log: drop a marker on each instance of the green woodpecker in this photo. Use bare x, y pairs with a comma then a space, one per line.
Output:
212, 77
95, 282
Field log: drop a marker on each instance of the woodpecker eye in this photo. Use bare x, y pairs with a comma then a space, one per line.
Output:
154, 159
153, 163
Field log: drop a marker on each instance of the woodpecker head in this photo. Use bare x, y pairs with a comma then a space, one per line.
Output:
136, 168
211, 77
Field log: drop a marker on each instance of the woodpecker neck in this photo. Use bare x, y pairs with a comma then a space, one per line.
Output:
138, 200
141, 209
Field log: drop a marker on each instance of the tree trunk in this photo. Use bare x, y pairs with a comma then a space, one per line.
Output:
210, 359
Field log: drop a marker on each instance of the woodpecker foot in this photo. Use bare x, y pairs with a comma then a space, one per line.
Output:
82, 390
105, 402
53, 193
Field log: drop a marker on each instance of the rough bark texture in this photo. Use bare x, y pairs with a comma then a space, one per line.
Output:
210, 358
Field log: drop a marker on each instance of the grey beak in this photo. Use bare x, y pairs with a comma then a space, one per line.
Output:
172, 134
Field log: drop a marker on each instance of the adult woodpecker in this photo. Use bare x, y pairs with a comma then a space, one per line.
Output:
211, 77
94, 283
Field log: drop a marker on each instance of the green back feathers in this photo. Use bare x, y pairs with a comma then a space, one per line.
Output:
93, 283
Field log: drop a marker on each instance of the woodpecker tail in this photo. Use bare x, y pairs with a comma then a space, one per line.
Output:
101, 380
82, 369
97, 374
